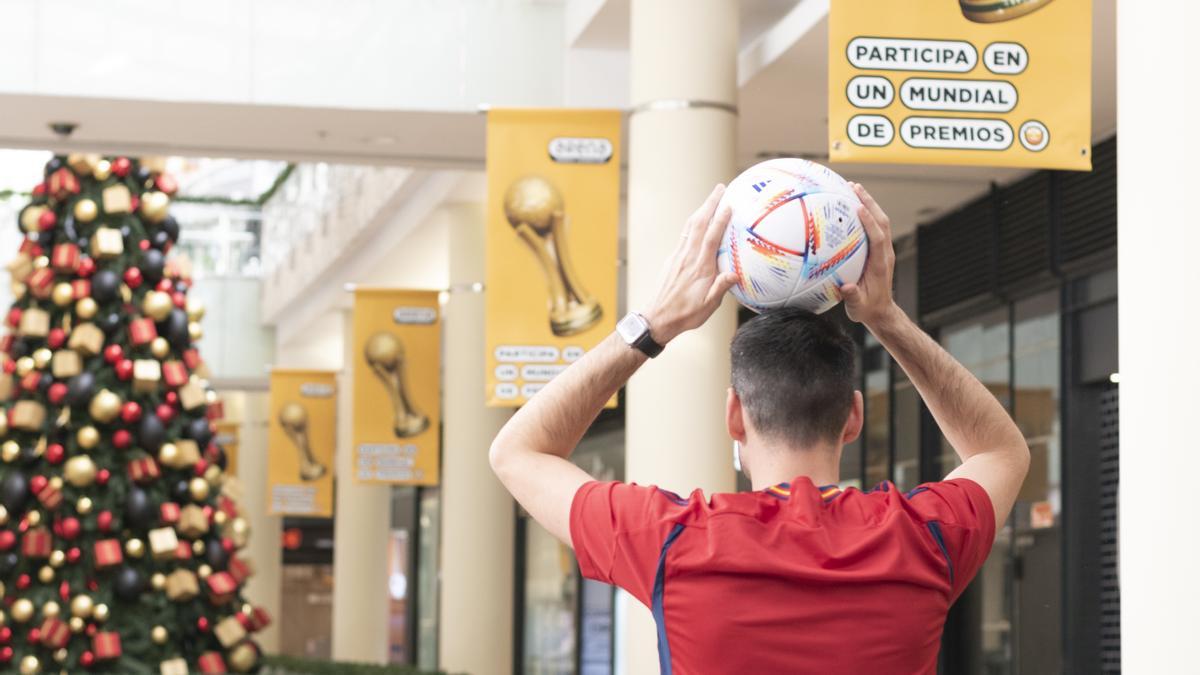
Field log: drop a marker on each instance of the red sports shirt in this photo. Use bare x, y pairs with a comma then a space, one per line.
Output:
795, 579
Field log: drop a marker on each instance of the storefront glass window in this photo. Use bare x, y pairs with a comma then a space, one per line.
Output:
428, 563
551, 588
876, 403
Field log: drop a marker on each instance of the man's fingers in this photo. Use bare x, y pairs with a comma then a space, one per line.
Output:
716, 230
849, 293
875, 234
873, 206
720, 287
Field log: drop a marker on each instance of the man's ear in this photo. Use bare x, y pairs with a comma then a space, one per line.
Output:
735, 423
854, 421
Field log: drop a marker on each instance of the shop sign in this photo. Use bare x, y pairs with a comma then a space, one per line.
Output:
975, 82
552, 215
300, 442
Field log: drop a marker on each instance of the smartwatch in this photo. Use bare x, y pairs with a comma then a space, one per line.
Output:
635, 331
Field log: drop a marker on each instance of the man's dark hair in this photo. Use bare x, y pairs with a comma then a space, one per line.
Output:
794, 373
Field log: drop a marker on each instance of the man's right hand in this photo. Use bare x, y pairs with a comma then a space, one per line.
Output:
870, 300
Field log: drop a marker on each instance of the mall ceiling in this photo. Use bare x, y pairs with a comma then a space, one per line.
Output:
782, 103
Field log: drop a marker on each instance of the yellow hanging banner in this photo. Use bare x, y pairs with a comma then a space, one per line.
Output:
972, 82
301, 442
397, 386
552, 215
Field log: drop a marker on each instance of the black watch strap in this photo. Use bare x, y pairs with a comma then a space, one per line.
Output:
647, 345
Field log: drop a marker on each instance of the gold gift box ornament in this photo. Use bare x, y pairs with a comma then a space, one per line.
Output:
994, 11
385, 355
534, 208
293, 418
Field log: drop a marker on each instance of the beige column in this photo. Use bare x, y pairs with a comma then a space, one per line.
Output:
475, 623
683, 56
264, 588
362, 519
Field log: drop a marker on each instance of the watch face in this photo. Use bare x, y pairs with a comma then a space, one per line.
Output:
631, 327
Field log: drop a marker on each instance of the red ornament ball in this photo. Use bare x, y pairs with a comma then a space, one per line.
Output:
113, 353
9, 366
64, 589
70, 528
5, 635
87, 267
38, 483
73, 555
14, 316
56, 338
179, 299
91, 630
47, 220
122, 438
144, 244
121, 166
35, 635
165, 412
228, 545
202, 624
172, 398
6, 654
23, 581
57, 392
164, 285
102, 477
93, 585
124, 369
133, 277
87, 659
104, 521
8, 539
166, 183
55, 453
201, 466
131, 412
39, 190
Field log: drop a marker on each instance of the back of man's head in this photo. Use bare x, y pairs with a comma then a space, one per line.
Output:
794, 374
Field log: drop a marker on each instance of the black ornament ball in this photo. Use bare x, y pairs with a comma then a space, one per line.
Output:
69, 228
8, 562
83, 243
140, 509
30, 456
151, 433
215, 554
180, 492
171, 227
175, 328
54, 164
19, 348
46, 239
126, 231
44, 382
198, 430
109, 323
129, 583
160, 240
152, 264
106, 286
14, 491
80, 389
142, 175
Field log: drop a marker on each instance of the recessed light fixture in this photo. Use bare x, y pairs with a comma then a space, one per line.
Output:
1115, 378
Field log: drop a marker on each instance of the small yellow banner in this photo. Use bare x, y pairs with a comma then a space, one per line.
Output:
227, 438
300, 442
397, 386
975, 82
552, 215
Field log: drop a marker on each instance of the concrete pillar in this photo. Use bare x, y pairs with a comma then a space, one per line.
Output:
1159, 283
264, 549
476, 611
683, 56
362, 520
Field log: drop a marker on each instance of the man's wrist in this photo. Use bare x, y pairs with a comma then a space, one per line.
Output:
662, 329
887, 322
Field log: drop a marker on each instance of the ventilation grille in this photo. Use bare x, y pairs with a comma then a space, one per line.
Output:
1110, 585
1088, 208
1025, 226
956, 257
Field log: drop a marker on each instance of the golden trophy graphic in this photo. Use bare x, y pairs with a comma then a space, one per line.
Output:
293, 418
534, 208
385, 355
993, 11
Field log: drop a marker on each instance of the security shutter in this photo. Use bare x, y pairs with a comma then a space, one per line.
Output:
1087, 208
956, 256
1025, 227
1110, 586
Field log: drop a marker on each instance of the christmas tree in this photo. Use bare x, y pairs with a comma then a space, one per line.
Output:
119, 533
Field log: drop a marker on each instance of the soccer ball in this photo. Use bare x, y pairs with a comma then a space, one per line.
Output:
794, 236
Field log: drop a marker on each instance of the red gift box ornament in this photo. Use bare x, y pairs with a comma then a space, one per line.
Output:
142, 331
40, 282
55, 633
64, 257
259, 619
81, 288
174, 373
221, 587
143, 470
240, 569
169, 511
107, 553
50, 495
62, 184
212, 662
36, 543
191, 358
106, 645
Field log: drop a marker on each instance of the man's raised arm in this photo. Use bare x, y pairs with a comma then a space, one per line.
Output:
529, 455
993, 451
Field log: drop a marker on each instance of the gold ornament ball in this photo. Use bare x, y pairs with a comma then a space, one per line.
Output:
195, 330
203, 571
30, 665
105, 406
34, 518
2, 589
212, 474
198, 547
30, 217
41, 262
57, 558
100, 612
219, 518
9, 451
76, 624
82, 606
168, 455
103, 170
239, 526
135, 548
86, 308
62, 295
19, 290
60, 654
195, 309
3, 521
157, 305
3, 425
41, 358
46, 574
154, 206
159, 347
51, 609
87, 437
84, 506
56, 482
199, 489
80, 471
210, 397
86, 210
24, 365
159, 635
22, 610
158, 581
242, 658
126, 294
